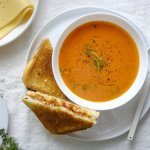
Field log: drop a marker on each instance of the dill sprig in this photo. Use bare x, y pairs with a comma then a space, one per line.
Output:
84, 87
9, 143
98, 61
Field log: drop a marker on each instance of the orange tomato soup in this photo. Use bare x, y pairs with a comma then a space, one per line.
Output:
99, 61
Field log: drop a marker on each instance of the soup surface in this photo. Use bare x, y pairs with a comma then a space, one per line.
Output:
99, 61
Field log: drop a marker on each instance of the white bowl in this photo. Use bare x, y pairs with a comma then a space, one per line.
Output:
143, 66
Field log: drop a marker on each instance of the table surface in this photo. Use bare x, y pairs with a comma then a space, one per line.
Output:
23, 125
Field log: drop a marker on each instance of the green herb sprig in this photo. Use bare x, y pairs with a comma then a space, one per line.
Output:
98, 61
9, 143
84, 87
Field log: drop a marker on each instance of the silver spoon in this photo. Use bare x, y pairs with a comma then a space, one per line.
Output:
139, 108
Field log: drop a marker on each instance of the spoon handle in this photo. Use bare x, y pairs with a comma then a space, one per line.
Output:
139, 108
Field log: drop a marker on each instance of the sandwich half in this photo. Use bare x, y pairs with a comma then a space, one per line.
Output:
58, 115
38, 75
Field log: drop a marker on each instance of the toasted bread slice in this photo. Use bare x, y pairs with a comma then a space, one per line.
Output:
38, 74
59, 116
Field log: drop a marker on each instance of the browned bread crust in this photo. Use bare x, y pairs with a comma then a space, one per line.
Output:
59, 116
38, 74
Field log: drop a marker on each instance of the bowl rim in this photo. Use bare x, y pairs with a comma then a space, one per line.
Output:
75, 98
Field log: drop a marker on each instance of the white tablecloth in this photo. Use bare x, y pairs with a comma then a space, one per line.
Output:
23, 125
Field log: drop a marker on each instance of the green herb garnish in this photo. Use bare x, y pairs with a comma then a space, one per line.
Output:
84, 87
98, 61
65, 70
74, 85
62, 70
9, 143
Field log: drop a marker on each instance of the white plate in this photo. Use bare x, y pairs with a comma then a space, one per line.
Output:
112, 123
3, 116
21, 28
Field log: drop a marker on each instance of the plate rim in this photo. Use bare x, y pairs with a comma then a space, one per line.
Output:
29, 23
78, 9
